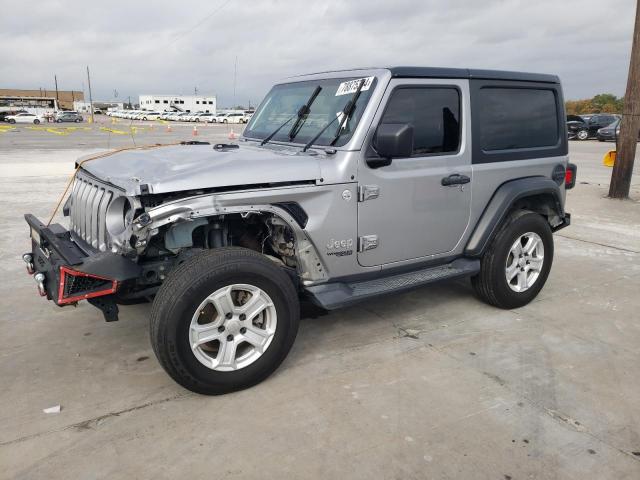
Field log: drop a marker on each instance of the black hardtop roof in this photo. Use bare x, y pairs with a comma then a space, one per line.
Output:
470, 73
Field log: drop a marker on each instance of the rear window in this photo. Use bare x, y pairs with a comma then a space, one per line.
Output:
515, 118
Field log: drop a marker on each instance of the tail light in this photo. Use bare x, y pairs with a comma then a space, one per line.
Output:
570, 176
75, 286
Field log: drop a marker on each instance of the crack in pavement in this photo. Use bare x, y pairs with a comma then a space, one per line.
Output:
92, 422
597, 243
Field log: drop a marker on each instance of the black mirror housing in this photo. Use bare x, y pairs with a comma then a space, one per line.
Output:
394, 140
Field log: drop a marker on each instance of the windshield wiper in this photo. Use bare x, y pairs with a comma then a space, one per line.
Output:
347, 111
303, 110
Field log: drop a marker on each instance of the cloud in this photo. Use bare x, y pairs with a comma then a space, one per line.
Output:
151, 47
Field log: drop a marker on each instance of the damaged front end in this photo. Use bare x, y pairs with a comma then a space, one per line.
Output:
120, 248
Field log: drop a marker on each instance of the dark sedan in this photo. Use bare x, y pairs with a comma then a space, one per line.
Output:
610, 132
583, 129
69, 117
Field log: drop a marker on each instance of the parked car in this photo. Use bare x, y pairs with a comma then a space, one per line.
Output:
204, 117
611, 132
68, 117
588, 128
25, 118
146, 115
349, 207
231, 117
165, 115
191, 116
8, 113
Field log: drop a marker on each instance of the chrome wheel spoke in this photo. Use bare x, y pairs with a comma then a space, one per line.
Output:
512, 270
531, 245
535, 263
256, 305
222, 301
256, 337
227, 354
204, 333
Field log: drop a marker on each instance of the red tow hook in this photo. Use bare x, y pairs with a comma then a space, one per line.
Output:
28, 259
39, 278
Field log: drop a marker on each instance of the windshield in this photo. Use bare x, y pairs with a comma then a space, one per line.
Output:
285, 100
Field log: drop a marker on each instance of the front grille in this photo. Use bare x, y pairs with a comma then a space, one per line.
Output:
89, 201
82, 285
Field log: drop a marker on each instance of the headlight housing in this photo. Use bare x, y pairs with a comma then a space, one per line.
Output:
119, 215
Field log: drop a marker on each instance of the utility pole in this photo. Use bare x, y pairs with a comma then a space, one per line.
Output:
90, 98
630, 123
235, 76
55, 78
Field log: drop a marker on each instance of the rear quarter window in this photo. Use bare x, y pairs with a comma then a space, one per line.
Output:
513, 118
517, 120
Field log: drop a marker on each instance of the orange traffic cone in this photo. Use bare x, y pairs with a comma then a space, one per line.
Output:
168, 127
195, 131
232, 135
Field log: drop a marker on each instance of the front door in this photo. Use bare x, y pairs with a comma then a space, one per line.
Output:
422, 205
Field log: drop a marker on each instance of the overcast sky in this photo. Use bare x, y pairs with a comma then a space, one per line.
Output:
171, 47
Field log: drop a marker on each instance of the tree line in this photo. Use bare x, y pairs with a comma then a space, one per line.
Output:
603, 103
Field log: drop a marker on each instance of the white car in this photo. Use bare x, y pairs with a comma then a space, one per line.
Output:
25, 118
180, 117
205, 117
232, 117
190, 117
148, 116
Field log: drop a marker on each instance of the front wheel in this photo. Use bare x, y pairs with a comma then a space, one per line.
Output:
36, 122
12, 121
582, 135
516, 264
224, 320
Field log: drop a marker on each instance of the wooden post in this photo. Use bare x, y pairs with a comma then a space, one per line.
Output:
630, 124
91, 98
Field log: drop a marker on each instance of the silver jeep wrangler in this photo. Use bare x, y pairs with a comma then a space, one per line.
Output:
344, 186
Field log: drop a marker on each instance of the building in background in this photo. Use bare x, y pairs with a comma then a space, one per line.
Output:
180, 103
85, 107
37, 101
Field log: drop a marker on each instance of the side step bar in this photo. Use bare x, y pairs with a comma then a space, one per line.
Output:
339, 294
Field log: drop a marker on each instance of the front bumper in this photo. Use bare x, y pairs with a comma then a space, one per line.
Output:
68, 271
606, 136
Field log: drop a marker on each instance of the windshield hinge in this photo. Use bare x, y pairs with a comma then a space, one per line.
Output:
367, 242
368, 192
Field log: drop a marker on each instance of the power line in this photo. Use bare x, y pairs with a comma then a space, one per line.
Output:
207, 17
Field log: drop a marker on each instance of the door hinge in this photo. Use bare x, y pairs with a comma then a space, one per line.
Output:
367, 242
368, 192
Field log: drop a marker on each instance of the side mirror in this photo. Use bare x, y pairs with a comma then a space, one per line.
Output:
392, 140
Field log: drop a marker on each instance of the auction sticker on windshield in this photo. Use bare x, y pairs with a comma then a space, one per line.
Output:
351, 86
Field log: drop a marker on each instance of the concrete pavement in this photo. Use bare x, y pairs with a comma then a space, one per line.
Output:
427, 384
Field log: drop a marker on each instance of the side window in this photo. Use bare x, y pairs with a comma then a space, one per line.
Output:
513, 118
434, 113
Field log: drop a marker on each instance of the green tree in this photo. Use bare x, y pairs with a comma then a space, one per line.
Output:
602, 103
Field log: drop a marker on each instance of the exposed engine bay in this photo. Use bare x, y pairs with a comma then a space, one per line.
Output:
176, 242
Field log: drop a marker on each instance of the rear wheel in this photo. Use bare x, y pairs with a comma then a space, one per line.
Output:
224, 320
36, 121
516, 264
583, 135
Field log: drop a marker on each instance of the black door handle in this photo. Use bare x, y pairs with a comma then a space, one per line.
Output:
455, 179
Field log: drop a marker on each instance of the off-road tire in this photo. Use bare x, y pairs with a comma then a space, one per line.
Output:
188, 285
491, 283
